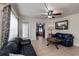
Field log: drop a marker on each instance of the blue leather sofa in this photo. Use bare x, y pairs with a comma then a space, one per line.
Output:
18, 46
66, 39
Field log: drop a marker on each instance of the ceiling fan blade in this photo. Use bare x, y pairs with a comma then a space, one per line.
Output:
57, 13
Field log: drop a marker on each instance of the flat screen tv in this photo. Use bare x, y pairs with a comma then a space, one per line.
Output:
62, 25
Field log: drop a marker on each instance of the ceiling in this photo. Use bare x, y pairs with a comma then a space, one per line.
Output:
36, 9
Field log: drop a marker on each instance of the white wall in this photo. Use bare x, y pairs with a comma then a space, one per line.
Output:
32, 26
73, 27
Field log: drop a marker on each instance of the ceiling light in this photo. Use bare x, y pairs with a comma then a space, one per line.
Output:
49, 16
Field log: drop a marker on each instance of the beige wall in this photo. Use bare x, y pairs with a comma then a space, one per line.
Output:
73, 27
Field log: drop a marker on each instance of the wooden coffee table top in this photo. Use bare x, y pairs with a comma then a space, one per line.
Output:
53, 39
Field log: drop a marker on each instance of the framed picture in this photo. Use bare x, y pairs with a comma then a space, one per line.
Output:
62, 25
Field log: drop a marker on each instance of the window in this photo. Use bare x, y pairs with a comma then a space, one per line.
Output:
13, 27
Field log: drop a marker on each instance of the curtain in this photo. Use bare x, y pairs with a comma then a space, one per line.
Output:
5, 24
13, 27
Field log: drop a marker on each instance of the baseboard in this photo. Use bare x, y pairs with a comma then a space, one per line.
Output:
75, 44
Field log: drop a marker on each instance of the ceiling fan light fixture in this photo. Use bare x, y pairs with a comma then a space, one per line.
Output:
50, 13
49, 16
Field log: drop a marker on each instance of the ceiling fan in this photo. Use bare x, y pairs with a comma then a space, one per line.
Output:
51, 13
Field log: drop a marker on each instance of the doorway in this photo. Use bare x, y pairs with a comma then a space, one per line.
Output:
40, 30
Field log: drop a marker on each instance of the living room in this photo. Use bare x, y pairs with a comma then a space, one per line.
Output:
72, 24
30, 14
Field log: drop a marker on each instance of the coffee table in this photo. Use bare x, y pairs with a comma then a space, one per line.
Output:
54, 41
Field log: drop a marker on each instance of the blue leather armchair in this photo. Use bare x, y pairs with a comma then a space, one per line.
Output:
66, 39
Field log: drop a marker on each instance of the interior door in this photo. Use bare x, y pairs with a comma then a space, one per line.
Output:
25, 30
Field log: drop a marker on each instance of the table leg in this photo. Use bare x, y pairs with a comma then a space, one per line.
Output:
48, 44
57, 46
